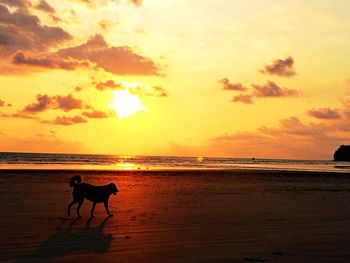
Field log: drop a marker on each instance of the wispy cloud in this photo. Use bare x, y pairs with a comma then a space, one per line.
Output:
67, 121
324, 113
244, 98
96, 114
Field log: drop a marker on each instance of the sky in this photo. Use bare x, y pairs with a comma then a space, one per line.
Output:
225, 78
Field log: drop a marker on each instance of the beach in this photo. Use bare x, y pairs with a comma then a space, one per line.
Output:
237, 215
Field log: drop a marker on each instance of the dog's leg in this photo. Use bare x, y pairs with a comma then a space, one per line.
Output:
70, 205
78, 208
93, 209
106, 206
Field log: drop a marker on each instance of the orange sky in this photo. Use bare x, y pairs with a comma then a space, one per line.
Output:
233, 78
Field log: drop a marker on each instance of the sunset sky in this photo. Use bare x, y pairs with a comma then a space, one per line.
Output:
230, 78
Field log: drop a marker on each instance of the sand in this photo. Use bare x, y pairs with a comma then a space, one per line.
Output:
178, 216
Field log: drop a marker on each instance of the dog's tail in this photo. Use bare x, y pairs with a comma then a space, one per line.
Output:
75, 180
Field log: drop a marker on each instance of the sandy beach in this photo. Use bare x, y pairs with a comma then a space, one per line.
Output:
178, 216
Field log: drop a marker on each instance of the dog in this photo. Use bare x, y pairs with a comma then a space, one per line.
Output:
95, 194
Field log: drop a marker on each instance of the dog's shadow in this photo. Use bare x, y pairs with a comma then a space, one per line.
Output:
66, 240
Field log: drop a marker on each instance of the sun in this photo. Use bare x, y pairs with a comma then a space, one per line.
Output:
125, 104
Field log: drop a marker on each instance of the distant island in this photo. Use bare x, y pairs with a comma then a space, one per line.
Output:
342, 153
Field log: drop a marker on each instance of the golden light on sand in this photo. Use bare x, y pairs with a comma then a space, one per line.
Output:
126, 104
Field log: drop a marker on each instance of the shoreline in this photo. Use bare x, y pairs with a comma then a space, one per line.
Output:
187, 171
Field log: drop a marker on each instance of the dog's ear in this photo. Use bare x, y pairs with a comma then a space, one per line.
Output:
113, 188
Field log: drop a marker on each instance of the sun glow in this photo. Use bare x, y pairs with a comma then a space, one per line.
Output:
126, 104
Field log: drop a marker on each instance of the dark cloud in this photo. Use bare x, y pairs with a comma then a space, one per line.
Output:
280, 67
271, 89
244, 98
226, 85
109, 84
45, 102
96, 114
16, 3
324, 113
67, 103
44, 6
268, 90
66, 121
22, 31
117, 60
48, 61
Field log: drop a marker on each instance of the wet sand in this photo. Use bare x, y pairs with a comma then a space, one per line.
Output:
178, 216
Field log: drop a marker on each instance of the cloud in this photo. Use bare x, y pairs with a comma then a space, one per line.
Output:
44, 6
108, 84
96, 114
226, 85
280, 67
136, 2
48, 61
159, 91
56, 19
106, 24
244, 98
19, 115
16, 3
66, 121
134, 88
271, 89
117, 60
67, 103
294, 126
45, 102
324, 113
268, 90
22, 31
291, 138
147, 90
39, 143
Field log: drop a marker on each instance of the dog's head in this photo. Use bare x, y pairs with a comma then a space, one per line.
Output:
113, 188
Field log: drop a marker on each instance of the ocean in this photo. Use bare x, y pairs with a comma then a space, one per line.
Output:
16, 160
